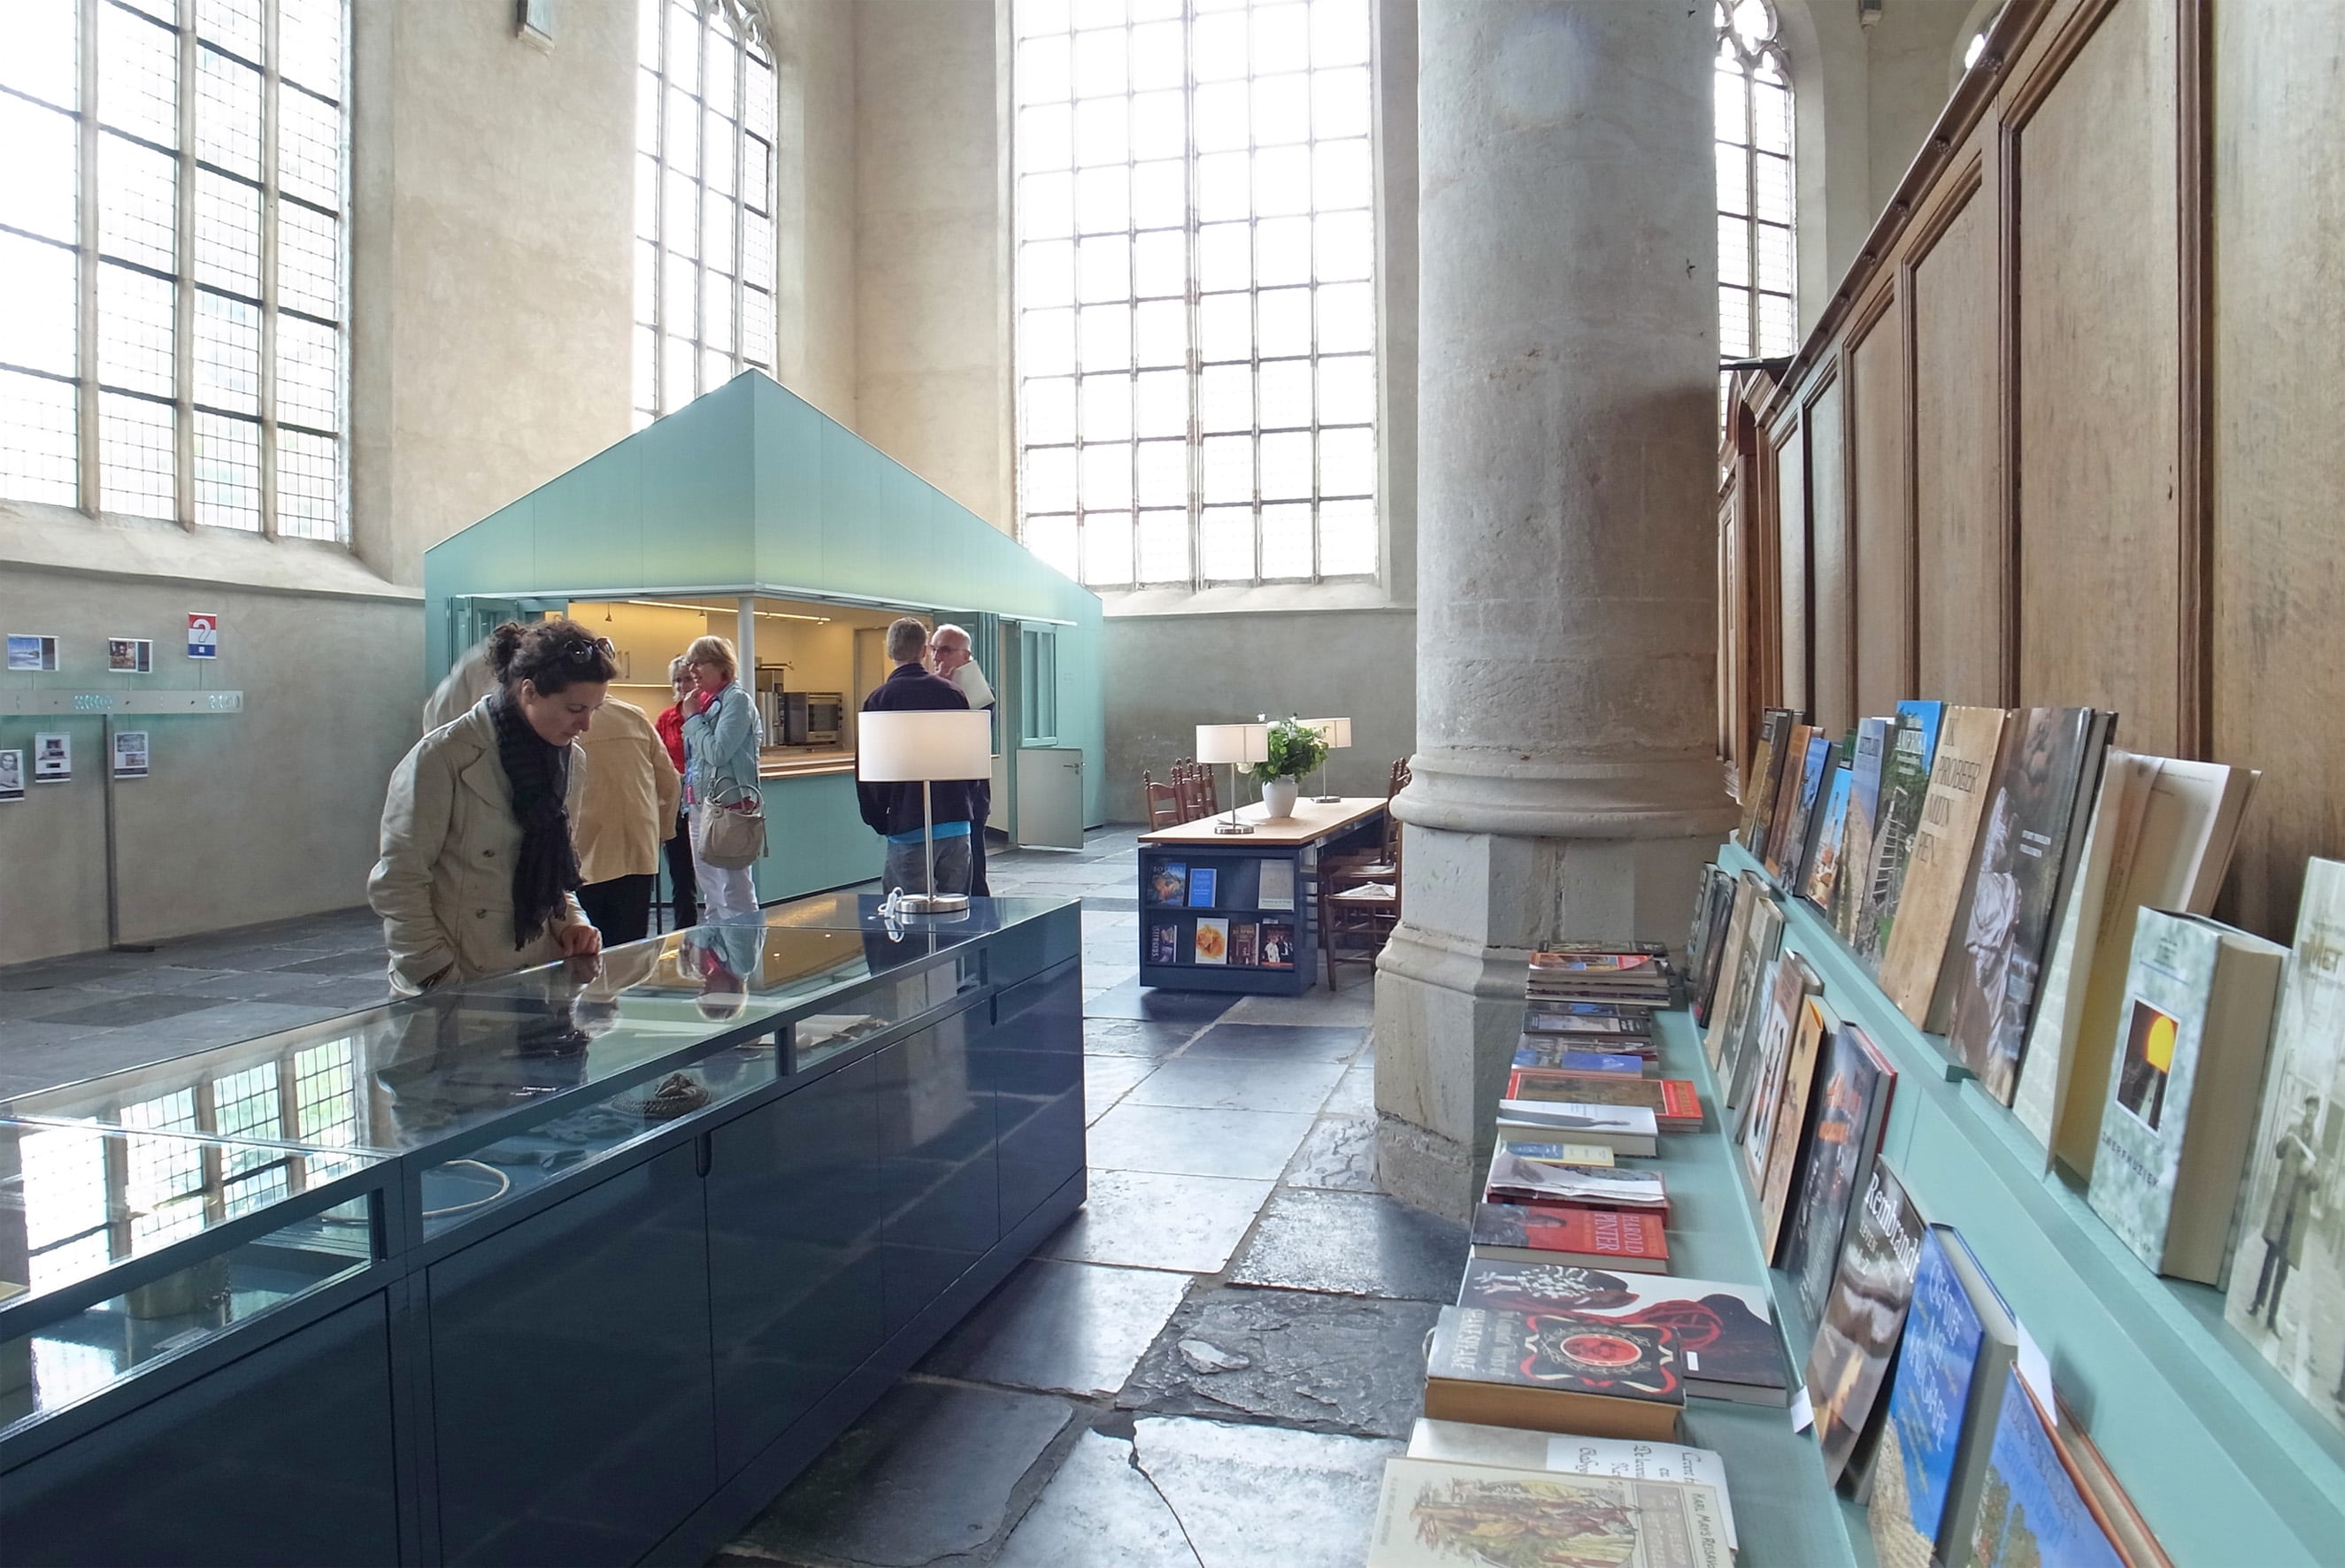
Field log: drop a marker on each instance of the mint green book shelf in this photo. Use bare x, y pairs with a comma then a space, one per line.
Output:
2228, 1463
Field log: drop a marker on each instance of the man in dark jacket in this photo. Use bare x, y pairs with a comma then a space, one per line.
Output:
893, 810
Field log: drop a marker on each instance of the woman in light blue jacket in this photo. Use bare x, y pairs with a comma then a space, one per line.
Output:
720, 768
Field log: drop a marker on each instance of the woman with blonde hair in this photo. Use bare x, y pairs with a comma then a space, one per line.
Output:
720, 749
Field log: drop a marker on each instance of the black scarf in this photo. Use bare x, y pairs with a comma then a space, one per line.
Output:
539, 776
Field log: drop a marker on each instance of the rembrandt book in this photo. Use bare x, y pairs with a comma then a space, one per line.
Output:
1872, 1287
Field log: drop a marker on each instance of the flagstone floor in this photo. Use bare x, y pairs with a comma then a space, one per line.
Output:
1205, 1367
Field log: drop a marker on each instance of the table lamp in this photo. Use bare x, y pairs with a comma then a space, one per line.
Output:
1236, 745
925, 745
1337, 733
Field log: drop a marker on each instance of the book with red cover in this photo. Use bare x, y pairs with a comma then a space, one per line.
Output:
1589, 1238
1675, 1103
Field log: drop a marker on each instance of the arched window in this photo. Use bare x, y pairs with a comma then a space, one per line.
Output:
704, 201
1195, 289
1757, 313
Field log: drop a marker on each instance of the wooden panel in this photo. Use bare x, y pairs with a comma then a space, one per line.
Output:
1959, 631
1879, 531
1833, 692
2280, 465
2098, 363
1792, 559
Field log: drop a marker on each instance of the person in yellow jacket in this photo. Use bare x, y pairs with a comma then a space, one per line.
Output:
625, 815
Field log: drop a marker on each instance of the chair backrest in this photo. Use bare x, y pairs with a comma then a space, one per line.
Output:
1188, 792
1209, 788
1393, 787
1164, 803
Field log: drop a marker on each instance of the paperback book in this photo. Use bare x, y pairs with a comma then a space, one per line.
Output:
1960, 1342
1822, 871
1766, 774
1610, 1238
1555, 1371
1938, 874
1732, 950
1815, 771
1787, 796
1542, 1051
1275, 945
1873, 1285
1860, 826
1675, 1103
1904, 786
1517, 1179
1753, 977
1163, 942
1623, 1129
1203, 882
1852, 1109
1211, 940
1168, 883
1726, 1334
1434, 1515
1786, 1137
1715, 908
1242, 953
1562, 1153
1505, 1448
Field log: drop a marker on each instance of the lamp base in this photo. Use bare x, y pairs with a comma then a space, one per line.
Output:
932, 903
1225, 826
1327, 799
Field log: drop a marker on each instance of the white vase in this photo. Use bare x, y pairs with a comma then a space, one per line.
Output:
1278, 797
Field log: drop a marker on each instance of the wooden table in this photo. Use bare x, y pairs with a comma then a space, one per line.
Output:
1242, 915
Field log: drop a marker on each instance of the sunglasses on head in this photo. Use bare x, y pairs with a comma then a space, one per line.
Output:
583, 653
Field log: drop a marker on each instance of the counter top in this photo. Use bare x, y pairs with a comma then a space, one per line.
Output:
793, 762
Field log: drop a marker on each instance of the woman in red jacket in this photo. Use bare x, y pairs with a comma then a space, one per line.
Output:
678, 848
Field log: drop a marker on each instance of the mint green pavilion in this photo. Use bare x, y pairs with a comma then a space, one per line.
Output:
751, 491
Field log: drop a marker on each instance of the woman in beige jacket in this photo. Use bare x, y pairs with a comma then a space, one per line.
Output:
478, 869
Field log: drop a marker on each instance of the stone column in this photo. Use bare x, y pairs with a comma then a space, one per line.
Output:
1566, 782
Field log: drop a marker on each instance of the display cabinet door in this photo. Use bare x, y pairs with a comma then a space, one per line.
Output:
571, 1384
1032, 1059
794, 1256
283, 1456
937, 1164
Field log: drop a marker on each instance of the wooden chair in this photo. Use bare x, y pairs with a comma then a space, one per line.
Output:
1383, 863
1210, 791
1356, 918
1188, 791
1164, 803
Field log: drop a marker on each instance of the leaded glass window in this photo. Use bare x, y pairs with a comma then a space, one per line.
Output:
1758, 316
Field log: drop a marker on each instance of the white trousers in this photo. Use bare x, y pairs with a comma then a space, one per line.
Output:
724, 894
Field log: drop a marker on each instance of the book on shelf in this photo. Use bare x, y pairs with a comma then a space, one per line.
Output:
1821, 873
1168, 882
1939, 860
1872, 1284
2029, 841
2034, 1511
1728, 1344
1203, 882
1540, 1051
1277, 944
1815, 764
1431, 1515
1244, 954
1777, 1147
1611, 1238
1859, 825
1757, 1059
1766, 774
1555, 1371
1675, 1103
1211, 940
2176, 860
1960, 1342
2289, 1273
1715, 909
1599, 976
2180, 1116
1557, 1153
1516, 1178
1276, 889
1622, 1129
1510, 1448
1769, 850
2111, 1507
1851, 1109
1609, 955
1748, 953
1904, 786
1163, 942
1588, 1018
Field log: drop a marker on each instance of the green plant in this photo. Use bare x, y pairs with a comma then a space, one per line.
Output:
1296, 749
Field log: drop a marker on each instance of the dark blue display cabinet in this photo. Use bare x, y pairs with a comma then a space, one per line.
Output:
558, 1268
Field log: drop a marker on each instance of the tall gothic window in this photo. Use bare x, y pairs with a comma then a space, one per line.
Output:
172, 259
1756, 280
704, 201
1195, 291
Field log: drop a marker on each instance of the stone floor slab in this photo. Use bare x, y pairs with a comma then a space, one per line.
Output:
930, 1471
1245, 1495
1107, 1079
1131, 1000
1280, 1042
1251, 1144
1135, 1037
1234, 1083
1339, 1156
1353, 1244
1345, 1364
1150, 1221
1099, 1512
1357, 1095
1355, 1005
1060, 1327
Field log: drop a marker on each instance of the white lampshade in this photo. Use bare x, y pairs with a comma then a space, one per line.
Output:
1238, 743
908, 746
1336, 732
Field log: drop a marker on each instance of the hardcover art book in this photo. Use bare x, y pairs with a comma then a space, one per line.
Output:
1904, 784
1562, 1153
1727, 1338
1242, 945
1675, 1103
2032, 1512
1864, 1315
1779, 1149
1852, 1109
1937, 873
1959, 1342
2048, 774
1542, 1051
1504, 1448
1517, 1179
1211, 940
1556, 1372
2288, 1278
1587, 1018
2175, 1132
1752, 962
1624, 1129
1202, 881
1277, 944
1859, 827
1823, 870
1815, 762
1169, 883
1437, 1515
1276, 889
1163, 942
1759, 790
1610, 1238
1770, 850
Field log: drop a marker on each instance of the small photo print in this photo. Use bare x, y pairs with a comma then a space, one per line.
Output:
1169, 883
1202, 881
51, 759
129, 656
1213, 941
1277, 944
130, 754
31, 651
2148, 1060
12, 775
1163, 943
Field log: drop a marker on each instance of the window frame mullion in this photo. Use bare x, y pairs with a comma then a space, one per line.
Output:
184, 345
266, 380
89, 490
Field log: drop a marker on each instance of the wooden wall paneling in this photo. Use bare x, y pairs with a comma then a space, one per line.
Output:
2098, 369
1880, 522
1962, 634
2279, 465
1832, 673
1787, 446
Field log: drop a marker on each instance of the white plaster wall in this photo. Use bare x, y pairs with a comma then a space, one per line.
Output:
814, 218
1906, 84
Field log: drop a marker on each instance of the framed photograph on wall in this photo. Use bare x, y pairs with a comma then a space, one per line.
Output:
28, 651
129, 656
51, 759
130, 753
12, 775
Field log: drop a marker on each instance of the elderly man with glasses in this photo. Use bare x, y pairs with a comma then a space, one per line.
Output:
955, 660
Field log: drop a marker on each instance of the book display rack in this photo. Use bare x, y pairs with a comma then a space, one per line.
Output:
1236, 914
